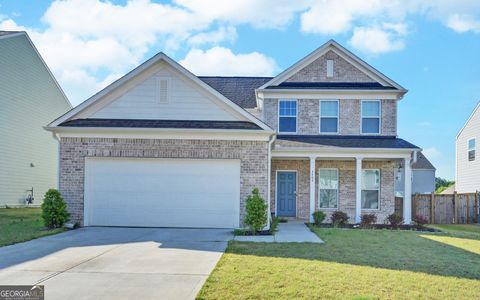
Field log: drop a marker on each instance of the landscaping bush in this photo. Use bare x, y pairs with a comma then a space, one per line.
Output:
368, 220
54, 209
256, 212
318, 217
274, 224
419, 221
339, 218
395, 220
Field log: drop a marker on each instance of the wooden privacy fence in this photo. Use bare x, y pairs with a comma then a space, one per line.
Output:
444, 208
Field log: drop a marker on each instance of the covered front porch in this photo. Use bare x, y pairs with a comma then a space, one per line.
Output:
355, 182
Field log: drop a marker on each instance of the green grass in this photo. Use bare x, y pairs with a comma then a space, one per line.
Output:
22, 224
352, 264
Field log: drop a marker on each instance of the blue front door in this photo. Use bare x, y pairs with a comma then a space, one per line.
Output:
286, 194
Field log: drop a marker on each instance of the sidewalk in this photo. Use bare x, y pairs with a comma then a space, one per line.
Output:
291, 232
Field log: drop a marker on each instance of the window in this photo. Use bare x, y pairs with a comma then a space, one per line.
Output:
371, 117
328, 188
287, 116
471, 149
329, 68
329, 116
370, 188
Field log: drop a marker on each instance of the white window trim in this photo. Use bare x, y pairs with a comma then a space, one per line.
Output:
379, 117
379, 190
296, 117
320, 188
474, 149
320, 117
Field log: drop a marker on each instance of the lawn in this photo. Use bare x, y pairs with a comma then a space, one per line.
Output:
352, 264
22, 224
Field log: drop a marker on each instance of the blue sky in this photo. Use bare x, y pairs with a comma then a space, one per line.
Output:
430, 47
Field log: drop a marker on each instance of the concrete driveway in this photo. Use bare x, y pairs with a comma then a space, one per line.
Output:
116, 263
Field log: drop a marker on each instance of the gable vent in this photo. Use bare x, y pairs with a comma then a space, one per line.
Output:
163, 90
330, 68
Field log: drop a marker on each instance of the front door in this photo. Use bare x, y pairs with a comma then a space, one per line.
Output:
286, 194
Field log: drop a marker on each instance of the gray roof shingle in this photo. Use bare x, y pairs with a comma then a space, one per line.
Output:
4, 32
136, 123
422, 162
347, 141
240, 90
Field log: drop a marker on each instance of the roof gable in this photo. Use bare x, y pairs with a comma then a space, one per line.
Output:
471, 117
348, 69
422, 163
133, 97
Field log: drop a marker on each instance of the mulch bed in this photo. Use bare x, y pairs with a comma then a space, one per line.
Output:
377, 226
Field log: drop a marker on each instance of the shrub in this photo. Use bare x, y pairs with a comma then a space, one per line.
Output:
395, 220
368, 220
54, 209
318, 217
419, 221
256, 212
274, 225
339, 218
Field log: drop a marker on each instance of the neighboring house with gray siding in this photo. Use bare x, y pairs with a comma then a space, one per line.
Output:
467, 162
29, 98
423, 177
163, 147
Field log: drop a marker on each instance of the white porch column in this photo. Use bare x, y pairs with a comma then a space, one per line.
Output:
312, 187
358, 189
407, 197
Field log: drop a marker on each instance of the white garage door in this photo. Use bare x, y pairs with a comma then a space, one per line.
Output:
162, 192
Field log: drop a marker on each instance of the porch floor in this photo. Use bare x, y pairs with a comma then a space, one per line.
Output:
294, 231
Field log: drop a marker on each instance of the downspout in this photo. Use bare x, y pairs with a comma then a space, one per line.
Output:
273, 137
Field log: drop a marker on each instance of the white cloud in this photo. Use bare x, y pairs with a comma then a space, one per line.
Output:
376, 40
463, 23
214, 37
222, 61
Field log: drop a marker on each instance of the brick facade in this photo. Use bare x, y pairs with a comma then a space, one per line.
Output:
253, 156
308, 121
317, 71
347, 185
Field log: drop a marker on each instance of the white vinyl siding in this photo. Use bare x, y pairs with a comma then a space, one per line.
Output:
182, 101
371, 189
328, 188
371, 117
30, 99
467, 172
329, 115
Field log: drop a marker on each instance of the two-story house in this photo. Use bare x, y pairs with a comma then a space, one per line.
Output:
163, 147
467, 163
30, 97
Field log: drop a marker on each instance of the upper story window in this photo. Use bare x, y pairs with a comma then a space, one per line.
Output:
471, 149
371, 117
370, 188
287, 116
329, 116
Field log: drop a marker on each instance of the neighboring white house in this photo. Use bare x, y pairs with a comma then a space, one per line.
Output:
467, 163
30, 97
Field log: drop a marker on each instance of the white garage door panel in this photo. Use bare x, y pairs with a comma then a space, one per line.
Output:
162, 192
